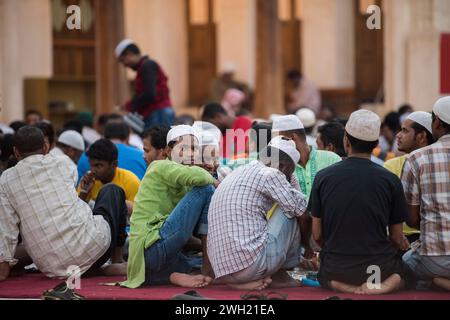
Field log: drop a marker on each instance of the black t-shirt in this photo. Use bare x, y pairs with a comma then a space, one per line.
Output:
356, 201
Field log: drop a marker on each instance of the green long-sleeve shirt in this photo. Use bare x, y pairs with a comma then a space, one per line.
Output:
163, 186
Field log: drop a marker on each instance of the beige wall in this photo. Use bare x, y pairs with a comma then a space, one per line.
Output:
412, 51
159, 27
25, 50
236, 37
328, 42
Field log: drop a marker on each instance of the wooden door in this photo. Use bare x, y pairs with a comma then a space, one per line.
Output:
369, 59
202, 53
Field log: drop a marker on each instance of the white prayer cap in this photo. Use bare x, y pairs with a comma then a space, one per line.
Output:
423, 118
179, 131
287, 146
72, 139
364, 125
201, 126
287, 123
122, 46
307, 117
442, 109
229, 67
207, 139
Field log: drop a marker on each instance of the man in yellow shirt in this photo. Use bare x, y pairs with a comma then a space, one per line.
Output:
103, 156
416, 133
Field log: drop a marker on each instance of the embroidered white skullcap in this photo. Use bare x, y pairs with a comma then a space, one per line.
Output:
72, 139
307, 117
364, 125
423, 118
204, 126
179, 131
122, 46
287, 123
287, 146
442, 109
207, 139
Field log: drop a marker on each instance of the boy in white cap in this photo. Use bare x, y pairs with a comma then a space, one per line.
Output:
311, 160
353, 204
151, 99
171, 205
416, 133
426, 180
247, 250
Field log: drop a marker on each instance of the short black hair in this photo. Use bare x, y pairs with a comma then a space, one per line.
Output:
132, 48
333, 133
294, 74
157, 136
48, 131
268, 152
256, 134
16, 125
184, 119
103, 150
29, 140
418, 128
117, 130
6, 147
73, 124
362, 146
114, 116
392, 121
405, 108
212, 109
102, 119
33, 112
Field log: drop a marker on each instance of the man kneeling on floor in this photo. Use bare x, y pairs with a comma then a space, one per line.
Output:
38, 199
171, 206
248, 250
353, 204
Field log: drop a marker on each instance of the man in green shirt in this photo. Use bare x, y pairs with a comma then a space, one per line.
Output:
311, 160
171, 205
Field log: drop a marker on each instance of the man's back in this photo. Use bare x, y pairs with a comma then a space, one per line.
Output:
357, 200
58, 229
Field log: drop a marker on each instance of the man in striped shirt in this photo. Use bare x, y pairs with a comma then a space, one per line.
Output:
38, 199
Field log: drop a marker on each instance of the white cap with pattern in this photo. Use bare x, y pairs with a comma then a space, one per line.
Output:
364, 125
179, 131
287, 146
122, 46
442, 109
423, 118
286, 123
72, 139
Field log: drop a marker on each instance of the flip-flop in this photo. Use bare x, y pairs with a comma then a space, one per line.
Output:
190, 295
61, 292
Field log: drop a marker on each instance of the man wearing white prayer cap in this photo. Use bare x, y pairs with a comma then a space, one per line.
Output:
416, 133
426, 181
353, 204
311, 159
152, 95
71, 144
308, 118
249, 251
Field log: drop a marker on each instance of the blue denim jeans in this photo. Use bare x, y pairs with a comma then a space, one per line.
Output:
161, 117
281, 251
189, 217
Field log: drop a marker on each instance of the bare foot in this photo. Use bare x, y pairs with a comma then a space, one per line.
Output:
282, 280
343, 287
391, 284
115, 269
442, 283
254, 285
189, 281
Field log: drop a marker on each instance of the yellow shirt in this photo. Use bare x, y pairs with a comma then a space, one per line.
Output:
396, 167
125, 179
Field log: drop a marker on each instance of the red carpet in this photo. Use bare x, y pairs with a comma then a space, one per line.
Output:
33, 285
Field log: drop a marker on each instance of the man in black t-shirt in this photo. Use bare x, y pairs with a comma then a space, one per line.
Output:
353, 204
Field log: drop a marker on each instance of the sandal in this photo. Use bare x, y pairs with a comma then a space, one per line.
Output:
61, 292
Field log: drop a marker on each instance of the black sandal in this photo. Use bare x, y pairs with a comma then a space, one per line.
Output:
61, 292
